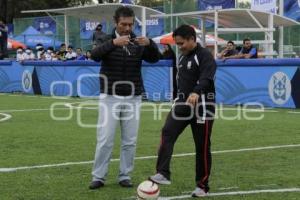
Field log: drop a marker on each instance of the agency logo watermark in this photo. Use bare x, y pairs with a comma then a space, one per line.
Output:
124, 108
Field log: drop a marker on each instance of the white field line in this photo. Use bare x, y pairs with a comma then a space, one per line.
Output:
12, 169
97, 99
248, 109
35, 109
5, 118
293, 112
236, 193
71, 106
227, 188
37, 96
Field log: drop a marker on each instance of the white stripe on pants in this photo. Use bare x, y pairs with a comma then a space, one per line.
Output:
114, 109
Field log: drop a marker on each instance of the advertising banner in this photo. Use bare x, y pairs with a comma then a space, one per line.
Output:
215, 4
264, 5
292, 9
45, 25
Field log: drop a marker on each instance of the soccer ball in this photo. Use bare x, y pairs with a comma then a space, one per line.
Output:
147, 190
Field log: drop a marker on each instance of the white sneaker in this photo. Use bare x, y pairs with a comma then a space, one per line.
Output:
160, 179
198, 192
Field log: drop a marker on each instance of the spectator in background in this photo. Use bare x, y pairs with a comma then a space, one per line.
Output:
62, 52
169, 54
247, 51
3, 39
49, 54
88, 55
70, 55
39, 51
79, 55
54, 56
20, 54
29, 55
98, 35
229, 51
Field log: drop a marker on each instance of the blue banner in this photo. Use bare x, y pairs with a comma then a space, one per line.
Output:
155, 27
10, 77
272, 86
87, 28
45, 25
126, 1
292, 9
215, 4
76, 78
276, 80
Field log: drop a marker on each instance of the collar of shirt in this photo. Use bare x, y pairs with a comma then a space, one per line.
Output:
117, 34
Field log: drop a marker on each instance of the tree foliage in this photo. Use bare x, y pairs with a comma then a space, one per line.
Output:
10, 9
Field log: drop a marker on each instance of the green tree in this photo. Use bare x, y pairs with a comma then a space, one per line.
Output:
10, 9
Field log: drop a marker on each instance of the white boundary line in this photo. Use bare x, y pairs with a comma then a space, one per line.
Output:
236, 193
12, 169
5, 118
71, 106
36, 109
293, 112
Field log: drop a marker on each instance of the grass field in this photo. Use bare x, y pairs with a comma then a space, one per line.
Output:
260, 159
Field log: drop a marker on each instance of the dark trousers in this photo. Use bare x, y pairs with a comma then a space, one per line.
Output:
201, 133
3, 48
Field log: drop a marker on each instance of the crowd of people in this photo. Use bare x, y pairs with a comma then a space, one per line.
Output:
50, 54
64, 53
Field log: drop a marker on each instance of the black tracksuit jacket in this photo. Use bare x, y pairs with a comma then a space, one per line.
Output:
123, 64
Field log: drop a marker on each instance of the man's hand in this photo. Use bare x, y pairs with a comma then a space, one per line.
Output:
193, 99
121, 41
142, 41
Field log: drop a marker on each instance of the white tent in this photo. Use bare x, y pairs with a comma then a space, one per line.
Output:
99, 12
237, 21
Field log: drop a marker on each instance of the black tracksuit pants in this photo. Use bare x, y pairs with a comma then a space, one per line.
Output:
201, 134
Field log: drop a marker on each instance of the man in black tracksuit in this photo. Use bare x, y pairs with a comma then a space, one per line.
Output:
194, 106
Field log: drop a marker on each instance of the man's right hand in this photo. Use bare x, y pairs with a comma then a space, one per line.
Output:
121, 41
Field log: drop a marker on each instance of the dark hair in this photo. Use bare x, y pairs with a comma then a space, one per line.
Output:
70, 47
63, 44
245, 40
123, 11
99, 26
79, 48
51, 48
185, 31
230, 42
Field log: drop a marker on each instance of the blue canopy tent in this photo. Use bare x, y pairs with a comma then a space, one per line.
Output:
31, 37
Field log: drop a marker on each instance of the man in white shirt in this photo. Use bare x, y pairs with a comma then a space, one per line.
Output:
20, 54
28, 55
39, 51
71, 55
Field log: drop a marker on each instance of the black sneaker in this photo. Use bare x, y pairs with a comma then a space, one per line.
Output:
126, 183
96, 184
